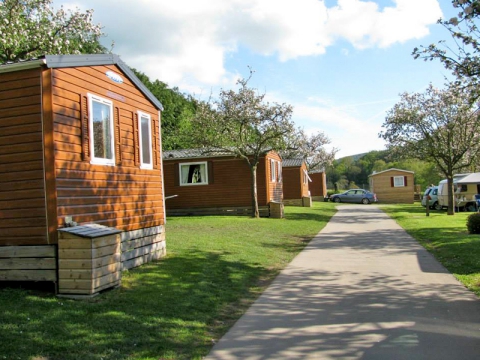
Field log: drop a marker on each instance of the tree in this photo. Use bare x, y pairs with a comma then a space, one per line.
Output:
177, 115
32, 28
464, 62
439, 125
311, 148
242, 124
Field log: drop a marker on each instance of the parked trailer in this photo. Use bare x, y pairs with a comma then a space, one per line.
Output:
465, 186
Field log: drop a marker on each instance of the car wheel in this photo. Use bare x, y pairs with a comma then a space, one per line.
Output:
437, 206
337, 200
365, 201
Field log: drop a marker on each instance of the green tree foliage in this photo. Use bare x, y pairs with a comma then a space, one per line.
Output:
441, 126
243, 124
32, 28
179, 109
425, 173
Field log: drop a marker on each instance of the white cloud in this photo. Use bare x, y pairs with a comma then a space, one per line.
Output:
185, 42
364, 25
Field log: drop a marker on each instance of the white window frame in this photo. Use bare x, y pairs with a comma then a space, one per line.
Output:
273, 172
143, 164
189, 164
397, 182
93, 159
279, 167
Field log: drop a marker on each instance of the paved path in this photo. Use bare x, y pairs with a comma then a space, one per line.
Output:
362, 289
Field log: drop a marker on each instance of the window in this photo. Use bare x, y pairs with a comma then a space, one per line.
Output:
193, 174
273, 173
398, 181
101, 130
145, 134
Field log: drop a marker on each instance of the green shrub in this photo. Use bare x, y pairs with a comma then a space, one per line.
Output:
473, 223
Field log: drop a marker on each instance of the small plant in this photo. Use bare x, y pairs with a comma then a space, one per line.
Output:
473, 223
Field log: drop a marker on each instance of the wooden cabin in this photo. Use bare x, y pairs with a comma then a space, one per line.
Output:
200, 183
393, 186
318, 185
79, 144
295, 183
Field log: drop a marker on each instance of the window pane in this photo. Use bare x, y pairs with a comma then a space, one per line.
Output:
146, 148
102, 137
398, 181
193, 174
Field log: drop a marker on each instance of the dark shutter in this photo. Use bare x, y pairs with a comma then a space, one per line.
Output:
118, 144
84, 125
176, 174
210, 172
392, 184
405, 181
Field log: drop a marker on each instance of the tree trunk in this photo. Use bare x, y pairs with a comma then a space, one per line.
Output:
255, 212
451, 199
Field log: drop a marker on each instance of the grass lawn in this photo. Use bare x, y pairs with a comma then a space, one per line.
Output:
174, 308
446, 237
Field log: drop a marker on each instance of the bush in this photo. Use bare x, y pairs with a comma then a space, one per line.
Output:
473, 223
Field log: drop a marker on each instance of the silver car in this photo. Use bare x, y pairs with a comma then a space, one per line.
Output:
359, 196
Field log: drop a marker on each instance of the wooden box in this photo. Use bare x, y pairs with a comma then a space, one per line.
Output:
89, 259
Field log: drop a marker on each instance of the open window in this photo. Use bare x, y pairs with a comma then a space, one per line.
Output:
145, 135
193, 174
101, 130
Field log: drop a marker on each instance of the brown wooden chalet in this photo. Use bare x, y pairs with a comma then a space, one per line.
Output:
295, 183
318, 185
208, 183
79, 145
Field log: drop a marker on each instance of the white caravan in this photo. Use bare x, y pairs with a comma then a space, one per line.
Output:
465, 187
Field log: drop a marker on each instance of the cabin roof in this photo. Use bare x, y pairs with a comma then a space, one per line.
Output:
292, 162
198, 153
193, 153
392, 169
66, 61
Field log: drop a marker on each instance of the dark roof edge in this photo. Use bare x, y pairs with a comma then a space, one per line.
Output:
66, 61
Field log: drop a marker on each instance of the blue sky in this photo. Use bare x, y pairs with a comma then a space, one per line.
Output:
340, 63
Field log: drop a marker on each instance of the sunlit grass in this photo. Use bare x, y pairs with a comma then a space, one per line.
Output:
174, 308
446, 237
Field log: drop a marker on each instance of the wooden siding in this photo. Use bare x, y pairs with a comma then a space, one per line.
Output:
28, 263
275, 188
381, 185
122, 196
318, 186
231, 186
294, 186
23, 216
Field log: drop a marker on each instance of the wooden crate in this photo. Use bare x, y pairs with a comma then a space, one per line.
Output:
28, 263
88, 259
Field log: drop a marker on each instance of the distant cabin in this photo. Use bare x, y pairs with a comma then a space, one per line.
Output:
210, 183
295, 183
79, 145
318, 185
393, 186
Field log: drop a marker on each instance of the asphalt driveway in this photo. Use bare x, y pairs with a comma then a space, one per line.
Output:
362, 289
